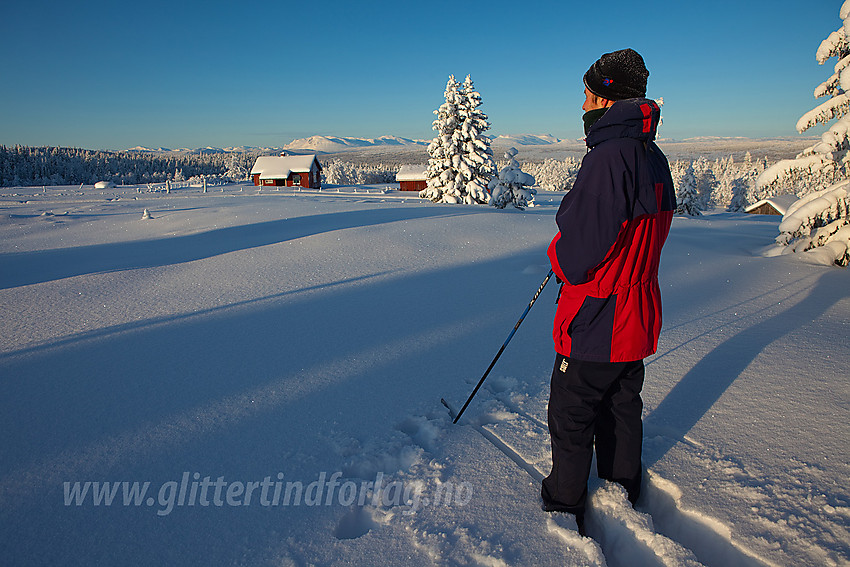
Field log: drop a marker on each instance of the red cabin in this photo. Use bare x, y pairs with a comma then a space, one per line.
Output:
288, 171
412, 177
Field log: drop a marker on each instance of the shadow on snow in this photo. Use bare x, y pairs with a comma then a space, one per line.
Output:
40, 266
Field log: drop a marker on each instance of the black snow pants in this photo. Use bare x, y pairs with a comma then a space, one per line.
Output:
593, 403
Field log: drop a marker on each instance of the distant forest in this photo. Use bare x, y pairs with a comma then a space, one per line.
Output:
28, 166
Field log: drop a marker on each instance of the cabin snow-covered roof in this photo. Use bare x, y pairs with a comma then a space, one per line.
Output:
411, 173
280, 167
778, 202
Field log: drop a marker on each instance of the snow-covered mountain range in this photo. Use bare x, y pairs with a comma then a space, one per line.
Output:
531, 146
331, 144
206, 150
525, 140
334, 144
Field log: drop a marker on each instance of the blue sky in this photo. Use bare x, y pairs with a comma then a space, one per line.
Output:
114, 75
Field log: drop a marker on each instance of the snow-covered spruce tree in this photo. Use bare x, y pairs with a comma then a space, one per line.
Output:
477, 163
336, 172
706, 182
444, 182
750, 172
512, 186
236, 169
738, 190
817, 225
724, 172
687, 197
554, 174
460, 162
677, 171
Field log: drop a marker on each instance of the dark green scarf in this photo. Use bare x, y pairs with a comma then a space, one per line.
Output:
590, 117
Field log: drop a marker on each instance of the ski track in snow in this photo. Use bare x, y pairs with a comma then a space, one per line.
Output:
659, 532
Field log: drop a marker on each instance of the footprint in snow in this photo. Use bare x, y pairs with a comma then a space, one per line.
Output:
356, 523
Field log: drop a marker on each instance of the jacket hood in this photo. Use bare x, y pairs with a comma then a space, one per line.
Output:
631, 118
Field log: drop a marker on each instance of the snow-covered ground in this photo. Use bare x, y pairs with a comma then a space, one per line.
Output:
266, 359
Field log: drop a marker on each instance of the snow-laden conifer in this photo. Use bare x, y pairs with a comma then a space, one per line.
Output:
687, 196
817, 224
442, 178
512, 186
750, 172
236, 169
460, 162
737, 188
477, 162
706, 183
554, 174
731, 190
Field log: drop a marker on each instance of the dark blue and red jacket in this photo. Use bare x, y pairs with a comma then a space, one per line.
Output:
612, 226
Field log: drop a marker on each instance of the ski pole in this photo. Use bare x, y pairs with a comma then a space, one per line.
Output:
501, 350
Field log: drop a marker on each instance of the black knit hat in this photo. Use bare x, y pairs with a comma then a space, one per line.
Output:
618, 75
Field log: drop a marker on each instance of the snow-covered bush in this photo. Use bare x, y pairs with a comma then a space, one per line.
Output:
820, 173
460, 163
200, 180
512, 186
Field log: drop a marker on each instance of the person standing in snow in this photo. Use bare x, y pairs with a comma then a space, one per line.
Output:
612, 226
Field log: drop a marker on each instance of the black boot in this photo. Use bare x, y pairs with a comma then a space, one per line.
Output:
580, 523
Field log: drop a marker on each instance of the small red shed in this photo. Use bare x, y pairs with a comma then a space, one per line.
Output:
412, 177
288, 171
